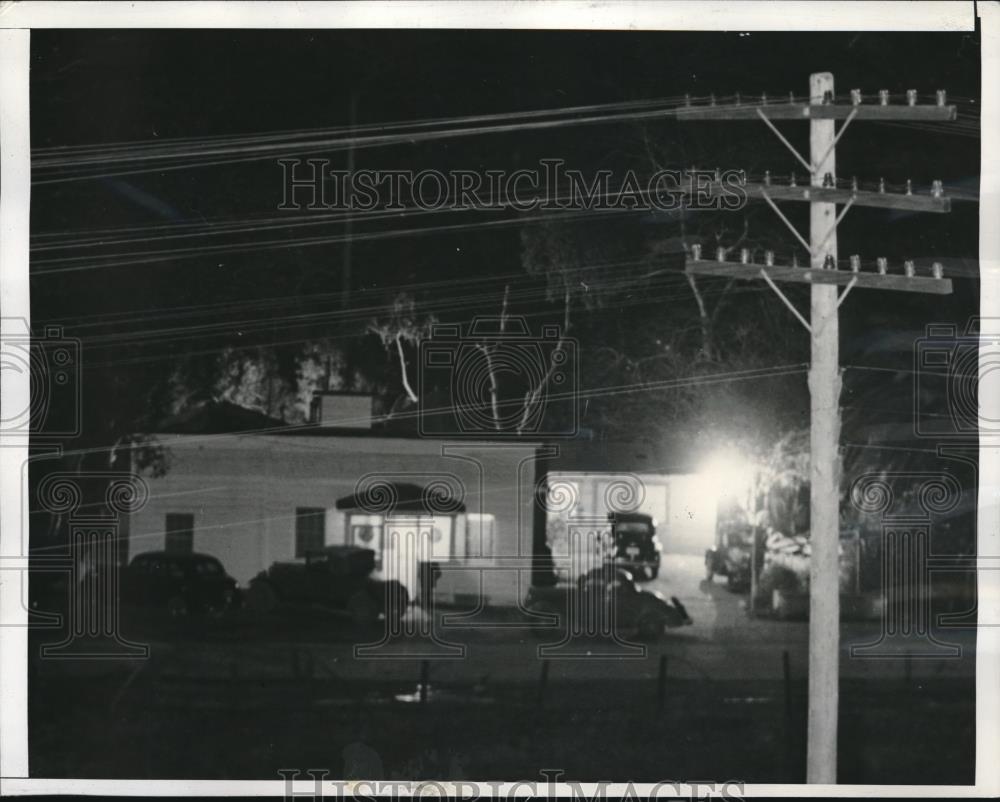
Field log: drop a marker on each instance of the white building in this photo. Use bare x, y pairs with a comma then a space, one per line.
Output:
255, 498
271, 493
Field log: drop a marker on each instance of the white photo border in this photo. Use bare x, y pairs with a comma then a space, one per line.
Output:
16, 20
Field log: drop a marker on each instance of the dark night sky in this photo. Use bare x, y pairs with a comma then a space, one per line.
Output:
95, 87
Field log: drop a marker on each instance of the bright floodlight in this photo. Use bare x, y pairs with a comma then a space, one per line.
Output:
727, 474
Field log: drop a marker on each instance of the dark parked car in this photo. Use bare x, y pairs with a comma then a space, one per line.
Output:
336, 577
180, 584
605, 592
637, 548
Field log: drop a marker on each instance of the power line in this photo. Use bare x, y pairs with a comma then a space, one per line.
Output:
254, 225
289, 135
149, 257
244, 153
246, 150
175, 355
366, 312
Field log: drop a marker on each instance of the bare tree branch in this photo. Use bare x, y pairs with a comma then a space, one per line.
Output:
706, 324
531, 398
487, 351
402, 368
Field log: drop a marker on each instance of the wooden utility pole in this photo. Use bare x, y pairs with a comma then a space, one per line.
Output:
824, 439
824, 276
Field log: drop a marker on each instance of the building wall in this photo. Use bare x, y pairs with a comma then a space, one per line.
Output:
683, 507
597, 493
243, 491
691, 525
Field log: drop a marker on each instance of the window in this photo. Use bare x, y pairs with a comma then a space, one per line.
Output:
366, 531
419, 536
310, 530
440, 532
180, 533
479, 535
427, 537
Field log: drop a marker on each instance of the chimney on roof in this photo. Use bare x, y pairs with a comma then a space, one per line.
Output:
337, 410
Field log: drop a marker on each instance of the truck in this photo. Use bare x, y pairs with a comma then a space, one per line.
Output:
335, 577
636, 547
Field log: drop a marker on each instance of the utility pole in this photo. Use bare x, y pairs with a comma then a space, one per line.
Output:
824, 479
824, 276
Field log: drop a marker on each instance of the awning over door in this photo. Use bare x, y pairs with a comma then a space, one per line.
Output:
387, 498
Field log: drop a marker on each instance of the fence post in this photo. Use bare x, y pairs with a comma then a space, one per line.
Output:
786, 671
791, 742
543, 683
425, 672
661, 685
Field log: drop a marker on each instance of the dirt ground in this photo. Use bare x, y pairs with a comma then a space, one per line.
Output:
246, 698
172, 726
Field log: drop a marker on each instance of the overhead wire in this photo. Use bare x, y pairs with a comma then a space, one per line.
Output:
278, 136
444, 205
153, 256
356, 314
272, 142
405, 132
229, 345
255, 152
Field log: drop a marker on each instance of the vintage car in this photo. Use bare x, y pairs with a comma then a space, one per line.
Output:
335, 577
732, 555
636, 546
603, 595
181, 584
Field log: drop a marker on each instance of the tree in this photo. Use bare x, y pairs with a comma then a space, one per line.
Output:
651, 361
526, 395
400, 325
278, 382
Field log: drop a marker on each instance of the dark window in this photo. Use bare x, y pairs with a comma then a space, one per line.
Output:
180, 533
310, 530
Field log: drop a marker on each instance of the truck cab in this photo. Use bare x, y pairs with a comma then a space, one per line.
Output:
637, 548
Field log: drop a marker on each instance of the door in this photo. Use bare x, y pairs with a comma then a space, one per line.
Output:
412, 540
